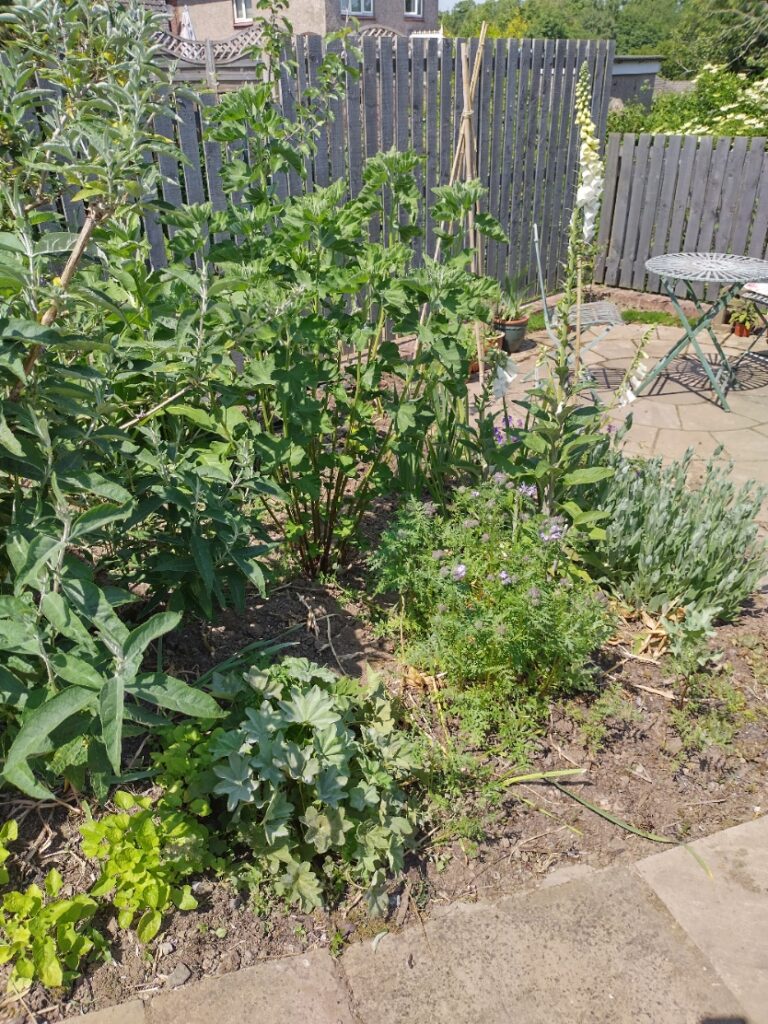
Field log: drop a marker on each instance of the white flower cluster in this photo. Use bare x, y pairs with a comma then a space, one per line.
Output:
591, 168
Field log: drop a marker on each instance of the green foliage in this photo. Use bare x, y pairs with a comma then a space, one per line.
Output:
304, 778
489, 598
709, 710
146, 852
722, 102
742, 311
44, 938
342, 415
668, 546
604, 717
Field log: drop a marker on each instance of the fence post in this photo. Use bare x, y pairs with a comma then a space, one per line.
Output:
210, 66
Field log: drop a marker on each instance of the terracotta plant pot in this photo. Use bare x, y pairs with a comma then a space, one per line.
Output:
741, 330
495, 341
514, 333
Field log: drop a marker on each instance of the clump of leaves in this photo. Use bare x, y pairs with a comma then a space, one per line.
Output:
609, 714
306, 776
668, 546
489, 599
146, 851
43, 937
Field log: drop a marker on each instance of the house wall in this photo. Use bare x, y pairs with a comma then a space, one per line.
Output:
307, 16
214, 19
387, 13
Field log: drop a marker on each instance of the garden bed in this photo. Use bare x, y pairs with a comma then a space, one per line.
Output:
637, 769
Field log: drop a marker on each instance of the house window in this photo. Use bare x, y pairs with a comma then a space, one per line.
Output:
358, 8
243, 11
414, 8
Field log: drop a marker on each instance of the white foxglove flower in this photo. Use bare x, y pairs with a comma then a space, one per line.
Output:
627, 398
591, 168
506, 371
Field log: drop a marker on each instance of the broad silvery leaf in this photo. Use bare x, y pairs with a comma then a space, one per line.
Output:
237, 782
315, 708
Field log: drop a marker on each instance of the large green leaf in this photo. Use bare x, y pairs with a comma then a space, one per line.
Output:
34, 737
111, 704
98, 517
588, 475
171, 693
201, 552
141, 637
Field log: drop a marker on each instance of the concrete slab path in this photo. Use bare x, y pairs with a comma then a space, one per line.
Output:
680, 410
665, 941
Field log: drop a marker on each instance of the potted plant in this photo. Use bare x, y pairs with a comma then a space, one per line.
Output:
743, 318
510, 318
489, 339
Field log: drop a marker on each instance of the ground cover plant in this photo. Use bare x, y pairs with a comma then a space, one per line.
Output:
489, 602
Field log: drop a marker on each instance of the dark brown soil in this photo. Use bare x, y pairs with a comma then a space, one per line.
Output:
640, 772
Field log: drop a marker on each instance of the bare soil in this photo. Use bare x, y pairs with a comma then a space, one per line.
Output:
640, 772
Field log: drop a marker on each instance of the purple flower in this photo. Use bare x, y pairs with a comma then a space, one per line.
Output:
499, 478
474, 494
470, 524
534, 595
430, 508
485, 538
505, 578
527, 490
459, 572
552, 531
498, 436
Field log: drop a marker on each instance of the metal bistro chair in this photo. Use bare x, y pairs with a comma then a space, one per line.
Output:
590, 314
757, 292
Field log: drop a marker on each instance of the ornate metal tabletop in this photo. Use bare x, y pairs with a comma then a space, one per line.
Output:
716, 267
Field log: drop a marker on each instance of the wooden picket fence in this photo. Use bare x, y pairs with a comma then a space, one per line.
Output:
680, 193
408, 94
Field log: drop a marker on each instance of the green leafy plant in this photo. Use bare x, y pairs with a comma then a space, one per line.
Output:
744, 312
43, 937
489, 600
146, 851
669, 547
305, 777
341, 412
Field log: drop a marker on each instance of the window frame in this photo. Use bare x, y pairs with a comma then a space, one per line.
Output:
347, 10
417, 15
247, 6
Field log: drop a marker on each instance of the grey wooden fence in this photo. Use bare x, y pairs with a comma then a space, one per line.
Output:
680, 193
408, 94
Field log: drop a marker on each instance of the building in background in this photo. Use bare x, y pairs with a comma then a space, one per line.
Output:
221, 19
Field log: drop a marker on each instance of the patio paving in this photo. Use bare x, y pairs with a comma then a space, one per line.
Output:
672, 939
679, 410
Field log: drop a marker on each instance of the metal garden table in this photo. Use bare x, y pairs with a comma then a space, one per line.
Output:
711, 268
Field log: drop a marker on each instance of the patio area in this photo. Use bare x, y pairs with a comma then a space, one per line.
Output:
679, 410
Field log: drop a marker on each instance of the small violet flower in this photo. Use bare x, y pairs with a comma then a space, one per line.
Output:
459, 572
527, 490
505, 578
554, 530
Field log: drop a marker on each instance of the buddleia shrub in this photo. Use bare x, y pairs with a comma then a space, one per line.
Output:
307, 779
669, 546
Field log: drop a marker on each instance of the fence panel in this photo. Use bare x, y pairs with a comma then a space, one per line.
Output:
409, 94
672, 193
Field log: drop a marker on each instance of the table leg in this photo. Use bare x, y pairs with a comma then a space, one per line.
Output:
719, 382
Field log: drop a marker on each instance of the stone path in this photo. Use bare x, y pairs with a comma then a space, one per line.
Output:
665, 941
680, 410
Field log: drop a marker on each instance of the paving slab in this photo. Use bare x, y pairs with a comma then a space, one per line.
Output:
125, 1013
295, 990
725, 913
603, 950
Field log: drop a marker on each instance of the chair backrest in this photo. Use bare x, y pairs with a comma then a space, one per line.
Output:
537, 250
